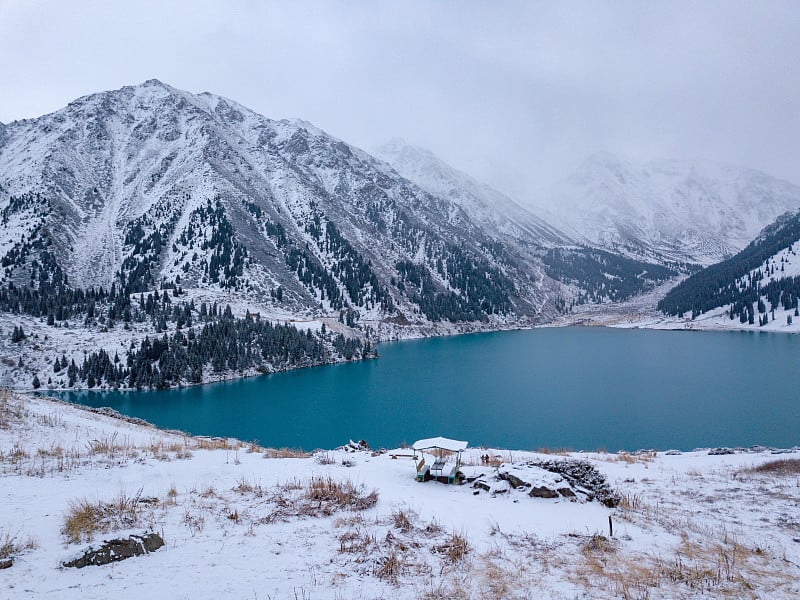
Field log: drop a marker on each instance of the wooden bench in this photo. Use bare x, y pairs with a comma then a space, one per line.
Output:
422, 470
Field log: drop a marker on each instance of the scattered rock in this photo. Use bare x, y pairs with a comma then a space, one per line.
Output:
6, 563
566, 492
482, 485
719, 451
512, 479
673, 452
116, 550
351, 446
542, 492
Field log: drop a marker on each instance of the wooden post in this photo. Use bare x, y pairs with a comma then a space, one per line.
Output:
610, 527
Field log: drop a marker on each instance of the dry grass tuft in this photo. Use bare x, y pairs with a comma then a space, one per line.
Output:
195, 522
317, 497
599, 543
357, 541
253, 448
10, 412
455, 548
107, 446
211, 443
171, 497
390, 567
10, 546
244, 487
783, 468
325, 458
341, 494
285, 453
553, 451
401, 520
644, 457
86, 518
631, 502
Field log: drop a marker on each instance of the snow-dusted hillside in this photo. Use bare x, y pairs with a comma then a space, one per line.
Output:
149, 187
241, 521
696, 211
150, 183
759, 287
483, 203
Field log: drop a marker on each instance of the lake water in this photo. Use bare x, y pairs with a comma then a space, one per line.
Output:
579, 388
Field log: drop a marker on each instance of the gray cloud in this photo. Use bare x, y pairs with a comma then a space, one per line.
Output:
516, 92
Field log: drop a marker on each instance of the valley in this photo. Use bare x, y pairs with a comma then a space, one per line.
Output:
128, 211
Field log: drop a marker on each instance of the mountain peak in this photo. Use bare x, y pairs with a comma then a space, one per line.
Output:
398, 144
153, 83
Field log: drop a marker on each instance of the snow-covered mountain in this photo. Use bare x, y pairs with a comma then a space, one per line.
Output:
149, 184
481, 202
697, 211
758, 287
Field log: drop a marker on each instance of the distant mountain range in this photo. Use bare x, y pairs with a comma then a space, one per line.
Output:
152, 188
686, 211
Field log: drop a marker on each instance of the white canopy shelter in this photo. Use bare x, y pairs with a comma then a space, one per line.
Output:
440, 442
440, 468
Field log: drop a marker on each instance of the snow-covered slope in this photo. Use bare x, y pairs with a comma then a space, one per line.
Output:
242, 521
483, 203
697, 211
149, 184
758, 287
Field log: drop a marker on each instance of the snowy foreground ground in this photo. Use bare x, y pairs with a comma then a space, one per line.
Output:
240, 521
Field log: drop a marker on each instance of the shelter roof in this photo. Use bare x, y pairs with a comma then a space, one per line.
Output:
440, 442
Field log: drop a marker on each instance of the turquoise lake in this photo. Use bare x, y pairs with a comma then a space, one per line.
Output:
578, 388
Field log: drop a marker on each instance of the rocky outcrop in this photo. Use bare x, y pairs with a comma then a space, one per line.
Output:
582, 477
513, 480
116, 550
542, 492
576, 480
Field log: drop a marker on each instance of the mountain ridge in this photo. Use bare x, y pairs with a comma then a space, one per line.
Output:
143, 162
690, 211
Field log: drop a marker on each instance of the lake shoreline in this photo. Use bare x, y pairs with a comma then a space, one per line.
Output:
110, 412
516, 518
576, 387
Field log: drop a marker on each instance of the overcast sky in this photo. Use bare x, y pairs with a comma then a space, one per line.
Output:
517, 93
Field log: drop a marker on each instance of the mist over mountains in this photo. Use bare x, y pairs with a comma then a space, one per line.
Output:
148, 187
698, 211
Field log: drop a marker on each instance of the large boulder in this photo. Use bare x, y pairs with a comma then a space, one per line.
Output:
513, 480
116, 550
542, 492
